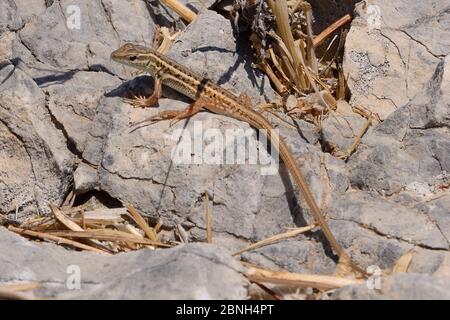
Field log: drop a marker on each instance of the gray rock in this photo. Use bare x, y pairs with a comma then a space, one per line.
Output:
103, 26
437, 210
9, 18
388, 218
73, 103
433, 262
36, 166
215, 54
339, 131
389, 57
300, 255
402, 286
367, 247
409, 151
28, 9
194, 271
50, 93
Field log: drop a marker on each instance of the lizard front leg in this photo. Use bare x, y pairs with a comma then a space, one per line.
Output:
142, 102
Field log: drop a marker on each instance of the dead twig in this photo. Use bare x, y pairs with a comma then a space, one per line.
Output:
330, 29
276, 238
56, 238
184, 12
299, 280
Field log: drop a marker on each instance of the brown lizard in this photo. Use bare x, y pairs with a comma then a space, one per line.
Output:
214, 98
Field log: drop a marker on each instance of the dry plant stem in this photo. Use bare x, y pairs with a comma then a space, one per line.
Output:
333, 27
9, 294
64, 220
310, 53
268, 291
107, 235
208, 220
277, 64
286, 59
299, 280
158, 226
276, 238
403, 263
57, 239
280, 11
168, 40
184, 12
137, 217
21, 286
83, 220
358, 138
71, 225
277, 83
340, 94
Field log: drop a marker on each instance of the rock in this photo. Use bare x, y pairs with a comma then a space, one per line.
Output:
394, 220
28, 9
402, 286
61, 109
103, 26
389, 57
340, 130
35, 164
432, 262
73, 103
49, 93
137, 167
378, 231
411, 147
9, 18
399, 180
194, 271
298, 255
220, 58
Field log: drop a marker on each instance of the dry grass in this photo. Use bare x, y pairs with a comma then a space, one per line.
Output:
104, 231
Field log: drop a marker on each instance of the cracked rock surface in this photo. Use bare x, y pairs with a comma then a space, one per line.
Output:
64, 127
194, 271
392, 49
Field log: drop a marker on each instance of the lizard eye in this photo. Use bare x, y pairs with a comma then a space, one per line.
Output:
132, 58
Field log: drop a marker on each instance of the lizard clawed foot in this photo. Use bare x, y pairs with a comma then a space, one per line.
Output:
141, 102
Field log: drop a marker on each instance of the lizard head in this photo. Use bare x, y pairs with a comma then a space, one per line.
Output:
136, 56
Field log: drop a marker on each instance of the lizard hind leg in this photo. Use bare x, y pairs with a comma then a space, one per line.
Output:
176, 115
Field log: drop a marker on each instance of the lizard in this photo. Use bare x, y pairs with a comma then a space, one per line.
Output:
212, 97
